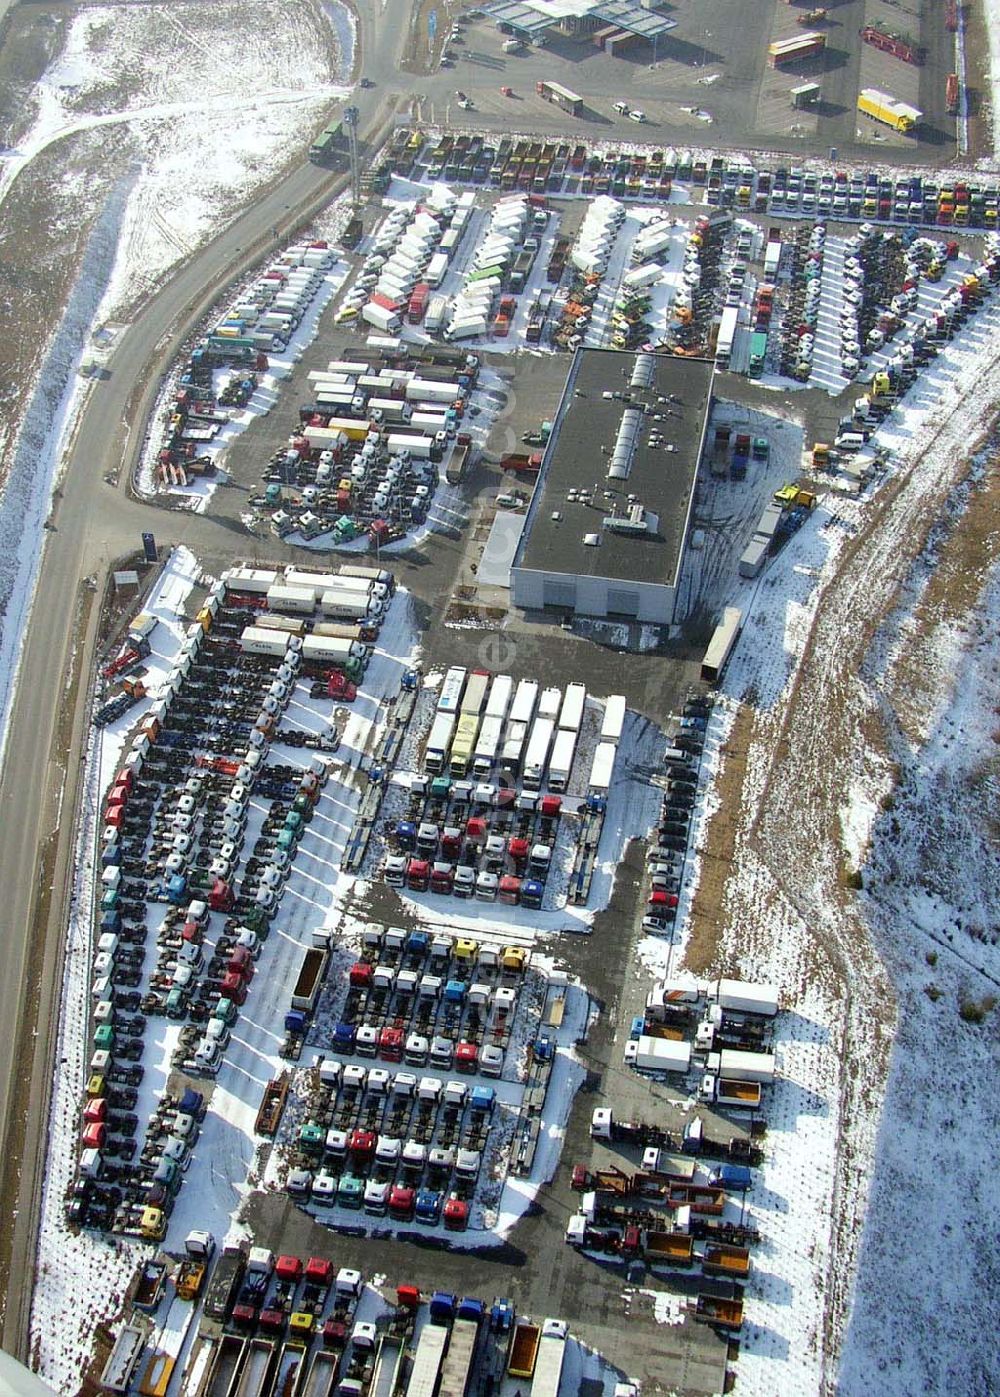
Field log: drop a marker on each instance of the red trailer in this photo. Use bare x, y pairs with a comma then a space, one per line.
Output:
900, 46
951, 93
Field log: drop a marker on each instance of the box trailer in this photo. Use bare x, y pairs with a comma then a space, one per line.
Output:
437, 269
571, 709
738, 1066
522, 709
741, 996
418, 447
886, 109
300, 601
601, 768
452, 687
721, 645
487, 746
387, 321
662, 1054
798, 49
255, 581
437, 309
463, 745
430, 390
498, 699
614, 719
645, 275
561, 761
474, 697
513, 747
439, 742
467, 329
537, 756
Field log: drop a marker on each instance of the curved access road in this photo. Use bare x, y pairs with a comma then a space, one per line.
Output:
95, 524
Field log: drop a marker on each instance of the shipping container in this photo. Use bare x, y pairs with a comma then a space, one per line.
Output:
300, 601
255, 640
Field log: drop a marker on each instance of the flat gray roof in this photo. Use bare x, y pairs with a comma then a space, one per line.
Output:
532, 16
660, 476
501, 545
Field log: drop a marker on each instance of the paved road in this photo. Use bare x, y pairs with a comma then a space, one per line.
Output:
95, 525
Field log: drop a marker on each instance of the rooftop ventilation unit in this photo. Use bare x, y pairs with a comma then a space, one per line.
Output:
637, 521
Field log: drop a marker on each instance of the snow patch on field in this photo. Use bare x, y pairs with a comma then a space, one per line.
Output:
213, 113
922, 1319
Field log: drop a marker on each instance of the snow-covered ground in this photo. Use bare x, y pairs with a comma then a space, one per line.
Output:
213, 113
927, 1280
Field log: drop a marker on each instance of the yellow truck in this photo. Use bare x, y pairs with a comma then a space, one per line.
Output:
887, 110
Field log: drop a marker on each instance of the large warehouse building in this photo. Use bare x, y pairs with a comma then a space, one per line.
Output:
609, 519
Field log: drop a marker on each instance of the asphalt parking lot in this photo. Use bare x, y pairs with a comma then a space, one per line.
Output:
711, 84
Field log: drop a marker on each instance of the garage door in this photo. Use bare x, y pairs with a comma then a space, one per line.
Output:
558, 593
622, 602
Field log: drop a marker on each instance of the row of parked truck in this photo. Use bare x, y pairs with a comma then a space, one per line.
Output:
367, 450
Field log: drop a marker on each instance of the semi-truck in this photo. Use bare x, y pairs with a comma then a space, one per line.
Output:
601, 769
537, 754
549, 1363
439, 742
463, 745
882, 107
387, 322
310, 977
561, 761
487, 746
450, 697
